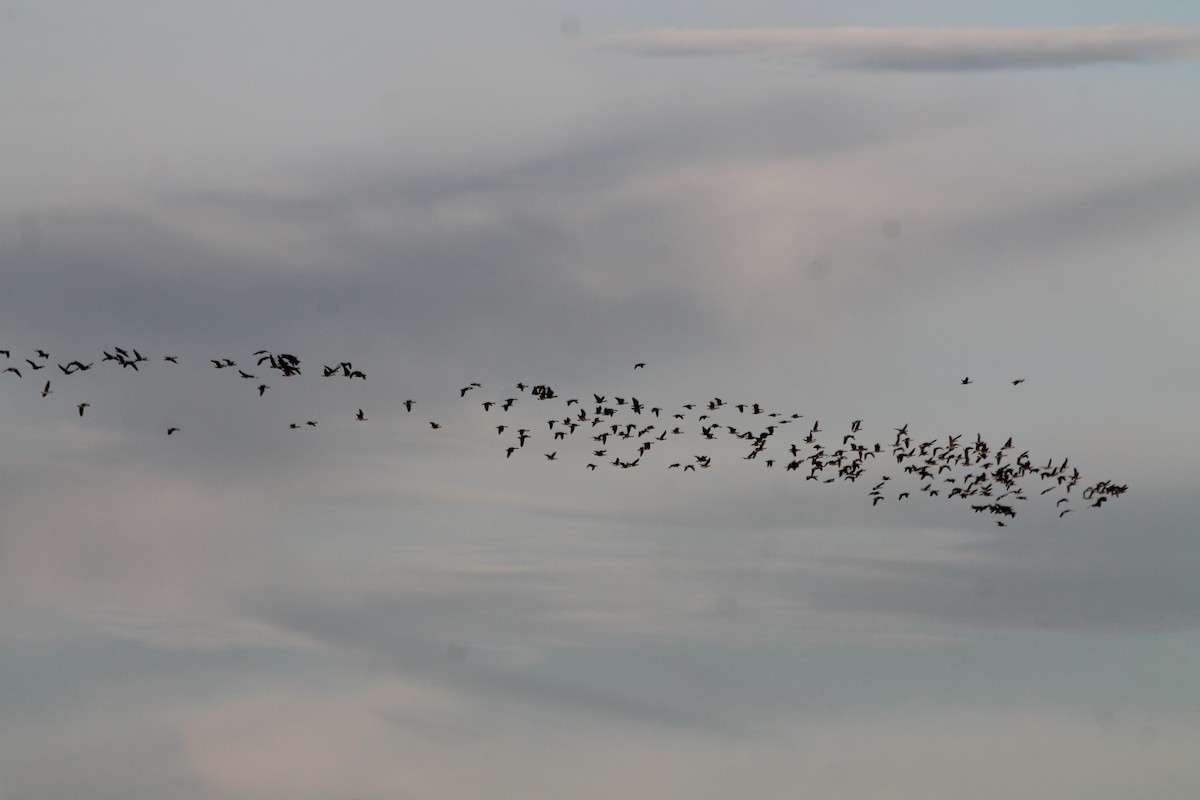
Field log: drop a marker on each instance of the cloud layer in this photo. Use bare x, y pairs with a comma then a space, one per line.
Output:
927, 49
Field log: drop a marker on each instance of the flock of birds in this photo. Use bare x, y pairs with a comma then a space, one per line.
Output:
622, 431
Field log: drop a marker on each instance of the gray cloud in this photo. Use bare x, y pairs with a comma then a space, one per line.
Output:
927, 49
843, 247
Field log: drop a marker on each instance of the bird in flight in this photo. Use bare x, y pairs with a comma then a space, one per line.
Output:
976, 470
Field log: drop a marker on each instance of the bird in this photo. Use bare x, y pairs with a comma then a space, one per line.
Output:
975, 470
172, 359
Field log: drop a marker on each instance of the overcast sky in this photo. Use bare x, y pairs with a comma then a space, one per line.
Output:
834, 212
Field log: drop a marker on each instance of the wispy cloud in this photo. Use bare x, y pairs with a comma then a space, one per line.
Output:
927, 49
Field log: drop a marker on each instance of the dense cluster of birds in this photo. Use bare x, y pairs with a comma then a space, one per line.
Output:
621, 431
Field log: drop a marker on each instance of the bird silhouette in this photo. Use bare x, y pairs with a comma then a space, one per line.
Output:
979, 470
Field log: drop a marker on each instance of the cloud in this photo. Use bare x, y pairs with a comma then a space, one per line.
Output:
927, 49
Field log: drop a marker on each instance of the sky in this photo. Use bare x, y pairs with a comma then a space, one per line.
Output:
834, 210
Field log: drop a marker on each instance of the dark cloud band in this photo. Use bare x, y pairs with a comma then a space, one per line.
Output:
927, 49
